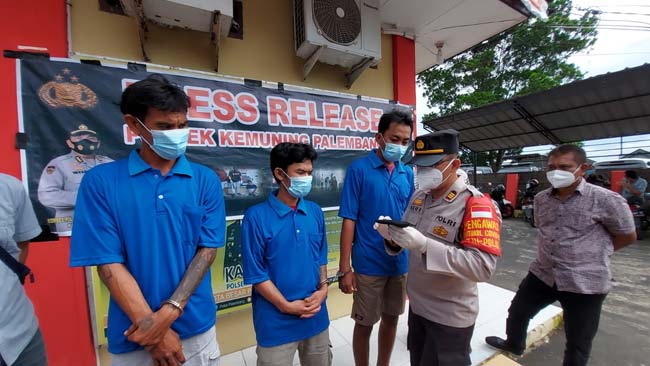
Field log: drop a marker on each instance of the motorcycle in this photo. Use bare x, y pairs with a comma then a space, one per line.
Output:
641, 220
527, 201
505, 206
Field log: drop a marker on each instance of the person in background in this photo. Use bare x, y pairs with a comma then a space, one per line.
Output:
152, 223
579, 226
633, 187
375, 185
284, 255
21, 341
235, 181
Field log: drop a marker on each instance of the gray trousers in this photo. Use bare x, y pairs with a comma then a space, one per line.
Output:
314, 351
200, 350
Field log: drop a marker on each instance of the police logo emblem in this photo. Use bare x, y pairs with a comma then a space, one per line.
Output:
440, 231
67, 93
419, 145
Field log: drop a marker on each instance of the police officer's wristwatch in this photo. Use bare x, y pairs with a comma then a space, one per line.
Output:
340, 273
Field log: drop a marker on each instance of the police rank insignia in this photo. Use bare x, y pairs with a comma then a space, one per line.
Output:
416, 205
440, 231
451, 196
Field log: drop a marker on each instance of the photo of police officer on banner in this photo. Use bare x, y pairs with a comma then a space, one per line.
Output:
59, 182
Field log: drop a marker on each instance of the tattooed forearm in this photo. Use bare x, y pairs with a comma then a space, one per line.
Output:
124, 290
323, 273
194, 274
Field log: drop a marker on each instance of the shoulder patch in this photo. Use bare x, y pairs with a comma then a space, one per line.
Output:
481, 226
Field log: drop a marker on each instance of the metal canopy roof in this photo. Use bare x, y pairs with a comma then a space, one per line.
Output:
609, 105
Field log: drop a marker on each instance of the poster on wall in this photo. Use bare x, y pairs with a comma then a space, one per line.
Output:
70, 115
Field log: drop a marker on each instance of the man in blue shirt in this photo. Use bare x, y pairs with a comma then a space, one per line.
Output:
151, 224
376, 185
284, 252
633, 187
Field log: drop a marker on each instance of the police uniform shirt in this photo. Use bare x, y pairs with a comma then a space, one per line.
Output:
441, 284
60, 181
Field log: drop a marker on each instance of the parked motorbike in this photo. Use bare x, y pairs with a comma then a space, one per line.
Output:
641, 219
527, 201
498, 194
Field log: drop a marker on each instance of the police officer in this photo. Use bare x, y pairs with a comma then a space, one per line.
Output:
453, 241
61, 177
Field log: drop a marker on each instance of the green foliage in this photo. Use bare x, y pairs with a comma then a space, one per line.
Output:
530, 57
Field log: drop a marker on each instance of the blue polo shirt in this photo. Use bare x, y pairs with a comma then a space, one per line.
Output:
127, 212
371, 191
287, 247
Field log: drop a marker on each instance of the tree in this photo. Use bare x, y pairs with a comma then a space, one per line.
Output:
530, 57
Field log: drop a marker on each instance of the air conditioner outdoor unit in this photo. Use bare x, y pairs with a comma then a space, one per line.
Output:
189, 14
343, 32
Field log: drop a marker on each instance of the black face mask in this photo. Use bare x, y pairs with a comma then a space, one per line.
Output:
85, 147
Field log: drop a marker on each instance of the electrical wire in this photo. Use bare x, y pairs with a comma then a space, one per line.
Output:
611, 54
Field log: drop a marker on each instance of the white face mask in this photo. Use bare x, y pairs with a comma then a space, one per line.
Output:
429, 177
561, 178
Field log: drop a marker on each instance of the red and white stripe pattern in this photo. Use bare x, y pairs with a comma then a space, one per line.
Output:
481, 212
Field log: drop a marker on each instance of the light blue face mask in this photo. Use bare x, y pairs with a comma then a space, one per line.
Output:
393, 152
168, 144
300, 186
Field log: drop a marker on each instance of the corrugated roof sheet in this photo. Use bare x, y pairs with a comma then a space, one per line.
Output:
609, 105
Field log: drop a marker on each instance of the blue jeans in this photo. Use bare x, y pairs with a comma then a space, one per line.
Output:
33, 354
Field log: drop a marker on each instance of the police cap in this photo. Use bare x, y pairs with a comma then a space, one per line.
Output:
82, 130
431, 148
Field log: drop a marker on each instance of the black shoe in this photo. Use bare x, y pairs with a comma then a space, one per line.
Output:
502, 344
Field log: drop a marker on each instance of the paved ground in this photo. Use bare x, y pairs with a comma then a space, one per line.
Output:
624, 335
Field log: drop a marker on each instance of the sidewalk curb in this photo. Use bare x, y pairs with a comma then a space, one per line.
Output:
535, 338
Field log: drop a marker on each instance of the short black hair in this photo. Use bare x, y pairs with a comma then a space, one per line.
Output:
394, 116
631, 174
287, 153
153, 92
579, 154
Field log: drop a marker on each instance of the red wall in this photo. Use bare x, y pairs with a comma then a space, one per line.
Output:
59, 293
616, 177
404, 70
404, 73
512, 184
